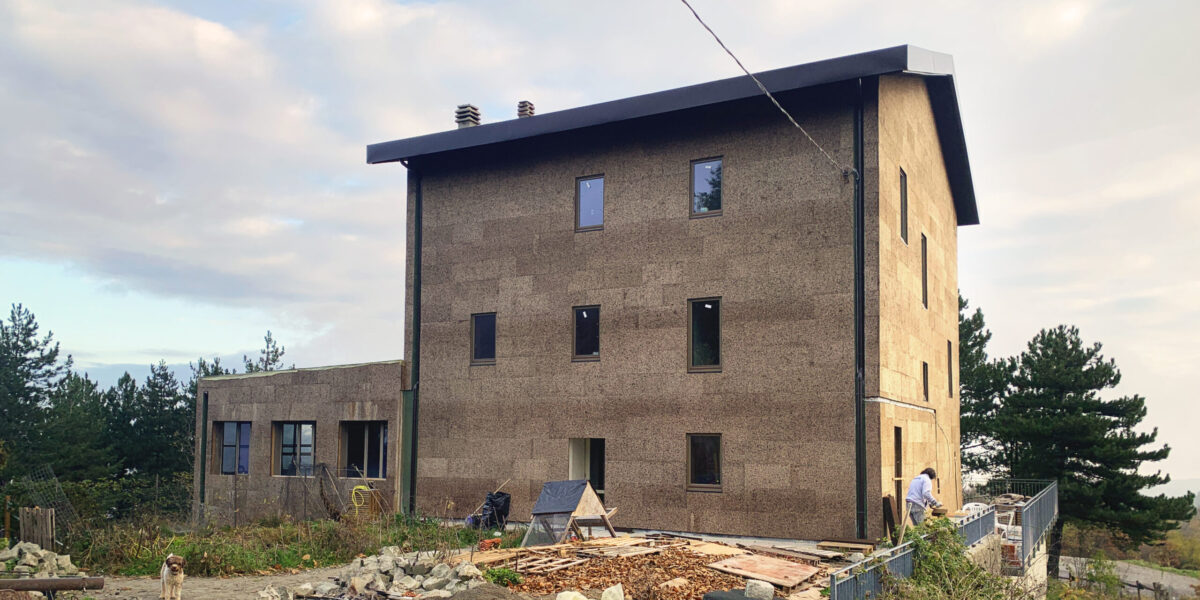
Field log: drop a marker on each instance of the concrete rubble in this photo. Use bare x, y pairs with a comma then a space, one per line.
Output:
32, 561
390, 574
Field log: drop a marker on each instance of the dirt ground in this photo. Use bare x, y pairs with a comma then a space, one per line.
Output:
207, 588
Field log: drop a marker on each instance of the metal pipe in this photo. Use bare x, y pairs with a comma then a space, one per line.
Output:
860, 367
202, 460
416, 349
52, 584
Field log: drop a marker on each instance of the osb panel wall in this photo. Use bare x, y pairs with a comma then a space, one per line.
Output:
499, 236
909, 333
370, 392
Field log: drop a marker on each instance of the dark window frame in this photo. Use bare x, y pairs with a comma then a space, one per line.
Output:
575, 356
579, 182
297, 451
716, 368
495, 324
925, 380
239, 450
903, 205
692, 213
949, 369
924, 271
704, 487
381, 445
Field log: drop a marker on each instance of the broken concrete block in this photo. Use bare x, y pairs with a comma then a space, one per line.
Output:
386, 564
441, 570
467, 571
326, 588
759, 590
22, 569
435, 583
380, 582
29, 560
390, 551
8, 554
474, 583
304, 589
269, 593
616, 592
432, 594
357, 584
570, 596
408, 582
422, 566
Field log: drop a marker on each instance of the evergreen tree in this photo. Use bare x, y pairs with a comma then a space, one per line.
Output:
270, 358
982, 383
120, 409
30, 370
202, 369
152, 425
1053, 424
71, 437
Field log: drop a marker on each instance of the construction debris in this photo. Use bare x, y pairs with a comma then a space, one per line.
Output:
33, 561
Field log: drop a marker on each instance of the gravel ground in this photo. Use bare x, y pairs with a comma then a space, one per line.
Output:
206, 588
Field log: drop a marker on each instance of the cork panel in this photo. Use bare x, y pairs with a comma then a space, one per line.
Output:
779, 257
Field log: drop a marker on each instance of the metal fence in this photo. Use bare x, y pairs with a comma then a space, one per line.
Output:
865, 579
1036, 517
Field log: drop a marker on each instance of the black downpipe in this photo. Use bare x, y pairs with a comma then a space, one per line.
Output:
416, 349
860, 361
203, 460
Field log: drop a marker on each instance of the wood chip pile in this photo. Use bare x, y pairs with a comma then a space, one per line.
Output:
658, 567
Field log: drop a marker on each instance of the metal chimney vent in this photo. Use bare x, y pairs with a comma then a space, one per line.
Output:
467, 115
524, 109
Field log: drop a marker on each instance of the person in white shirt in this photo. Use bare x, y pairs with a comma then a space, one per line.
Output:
920, 495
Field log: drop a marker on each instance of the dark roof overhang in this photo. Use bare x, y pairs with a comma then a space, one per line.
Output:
937, 68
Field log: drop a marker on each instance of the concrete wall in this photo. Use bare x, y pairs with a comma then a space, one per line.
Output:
909, 333
328, 396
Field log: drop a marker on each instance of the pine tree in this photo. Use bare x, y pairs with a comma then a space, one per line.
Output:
71, 436
30, 370
202, 369
270, 358
1054, 424
982, 383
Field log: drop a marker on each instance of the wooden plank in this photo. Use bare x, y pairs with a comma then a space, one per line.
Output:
773, 570
826, 554
784, 553
715, 549
846, 546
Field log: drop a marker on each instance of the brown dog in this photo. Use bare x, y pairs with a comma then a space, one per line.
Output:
172, 577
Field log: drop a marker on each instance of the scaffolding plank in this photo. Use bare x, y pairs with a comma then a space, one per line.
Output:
767, 568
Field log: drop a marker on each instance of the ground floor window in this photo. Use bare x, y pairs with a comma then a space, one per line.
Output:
295, 447
234, 442
364, 449
704, 462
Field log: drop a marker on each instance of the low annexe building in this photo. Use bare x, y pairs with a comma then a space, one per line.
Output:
266, 443
678, 296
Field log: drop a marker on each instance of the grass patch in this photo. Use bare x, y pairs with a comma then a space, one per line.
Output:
1149, 565
268, 546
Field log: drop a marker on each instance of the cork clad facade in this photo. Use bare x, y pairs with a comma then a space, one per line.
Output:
269, 444
682, 299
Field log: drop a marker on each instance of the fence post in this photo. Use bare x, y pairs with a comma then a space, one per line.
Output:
37, 526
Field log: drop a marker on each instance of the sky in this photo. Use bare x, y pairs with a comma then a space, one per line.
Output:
177, 178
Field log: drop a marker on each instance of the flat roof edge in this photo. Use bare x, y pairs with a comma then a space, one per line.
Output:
236, 376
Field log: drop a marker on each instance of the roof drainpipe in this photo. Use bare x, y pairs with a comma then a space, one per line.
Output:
415, 374
860, 366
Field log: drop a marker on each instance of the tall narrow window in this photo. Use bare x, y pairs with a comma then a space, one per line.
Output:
589, 203
364, 449
924, 272
704, 335
587, 333
295, 448
904, 206
898, 466
949, 369
704, 462
925, 380
235, 447
706, 187
483, 339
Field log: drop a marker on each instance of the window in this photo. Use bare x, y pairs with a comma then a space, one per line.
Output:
704, 462
898, 466
587, 333
589, 203
924, 273
706, 187
364, 449
483, 339
234, 442
903, 206
925, 380
949, 369
295, 448
704, 335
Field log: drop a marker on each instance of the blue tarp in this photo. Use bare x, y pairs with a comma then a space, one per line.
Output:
559, 496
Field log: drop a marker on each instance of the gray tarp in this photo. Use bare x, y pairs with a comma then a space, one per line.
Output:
559, 496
